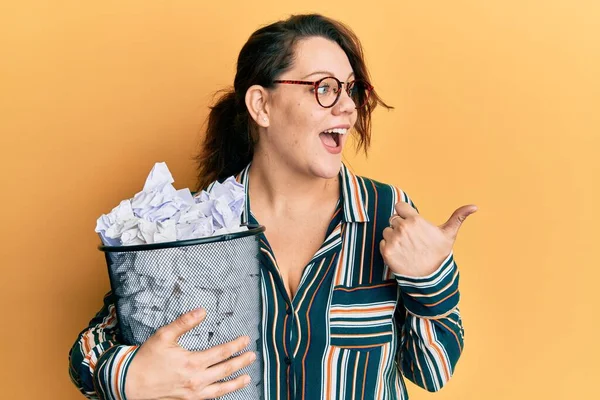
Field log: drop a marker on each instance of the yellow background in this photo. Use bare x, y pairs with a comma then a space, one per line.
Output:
496, 104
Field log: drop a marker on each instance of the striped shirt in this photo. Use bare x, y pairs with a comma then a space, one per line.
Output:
353, 330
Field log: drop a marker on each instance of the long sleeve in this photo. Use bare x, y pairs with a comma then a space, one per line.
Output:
432, 331
97, 362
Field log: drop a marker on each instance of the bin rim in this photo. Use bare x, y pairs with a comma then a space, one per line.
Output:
253, 230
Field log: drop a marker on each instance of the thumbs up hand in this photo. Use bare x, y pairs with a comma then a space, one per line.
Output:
412, 246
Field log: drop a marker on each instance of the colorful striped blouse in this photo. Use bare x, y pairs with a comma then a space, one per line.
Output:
353, 330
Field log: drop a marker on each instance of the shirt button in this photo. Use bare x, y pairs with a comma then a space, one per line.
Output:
288, 360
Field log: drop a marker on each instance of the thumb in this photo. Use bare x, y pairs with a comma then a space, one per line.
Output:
181, 325
456, 219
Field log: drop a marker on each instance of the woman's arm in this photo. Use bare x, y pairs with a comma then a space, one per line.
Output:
97, 362
421, 258
99, 365
432, 331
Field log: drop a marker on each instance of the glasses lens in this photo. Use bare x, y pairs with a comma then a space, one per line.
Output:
328, 92
359, 92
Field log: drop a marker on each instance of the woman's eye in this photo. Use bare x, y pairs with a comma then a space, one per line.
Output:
324, 89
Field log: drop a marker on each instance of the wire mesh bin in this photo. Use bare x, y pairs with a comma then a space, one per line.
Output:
156, 283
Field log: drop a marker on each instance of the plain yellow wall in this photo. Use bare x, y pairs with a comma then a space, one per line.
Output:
496, 104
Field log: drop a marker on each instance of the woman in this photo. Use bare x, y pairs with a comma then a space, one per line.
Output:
358, 289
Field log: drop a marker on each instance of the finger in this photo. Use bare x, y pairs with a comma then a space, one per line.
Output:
388, 234
405, 210
226, 368
457, 218
382, 245
219, 389
181, 325
396, 222
393, 218
222, 352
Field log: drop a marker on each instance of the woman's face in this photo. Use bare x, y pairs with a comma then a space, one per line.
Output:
295, 135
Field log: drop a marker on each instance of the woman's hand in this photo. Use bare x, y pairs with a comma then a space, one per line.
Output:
414, 247
161, 369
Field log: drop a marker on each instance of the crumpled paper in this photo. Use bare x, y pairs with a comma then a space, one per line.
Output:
161, 213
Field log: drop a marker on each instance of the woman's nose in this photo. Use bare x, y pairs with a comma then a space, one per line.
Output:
345, 104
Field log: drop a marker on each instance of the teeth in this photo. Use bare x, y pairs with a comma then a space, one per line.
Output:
341, 131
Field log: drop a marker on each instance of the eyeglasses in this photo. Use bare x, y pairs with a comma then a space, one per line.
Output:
328, 90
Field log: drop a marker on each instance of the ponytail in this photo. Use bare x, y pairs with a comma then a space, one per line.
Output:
227, 147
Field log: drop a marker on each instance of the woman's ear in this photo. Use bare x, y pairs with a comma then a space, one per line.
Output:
256, 103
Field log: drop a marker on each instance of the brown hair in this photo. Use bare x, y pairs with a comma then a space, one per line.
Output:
230, 132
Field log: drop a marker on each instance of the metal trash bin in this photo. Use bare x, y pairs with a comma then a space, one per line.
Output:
156, 283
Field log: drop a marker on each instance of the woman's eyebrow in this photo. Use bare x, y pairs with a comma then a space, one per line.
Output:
318, 73
328, 73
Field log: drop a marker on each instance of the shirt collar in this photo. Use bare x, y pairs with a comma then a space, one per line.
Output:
352, 189
353, 196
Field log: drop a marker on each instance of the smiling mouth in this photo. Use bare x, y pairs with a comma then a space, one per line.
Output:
332, 137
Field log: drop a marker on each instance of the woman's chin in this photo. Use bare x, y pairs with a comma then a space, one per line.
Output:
328, 169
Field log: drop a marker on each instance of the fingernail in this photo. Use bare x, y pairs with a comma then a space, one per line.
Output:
246, 340
252, 356
198, 313
246, 380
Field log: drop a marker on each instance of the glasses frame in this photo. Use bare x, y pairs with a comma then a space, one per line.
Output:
369, 88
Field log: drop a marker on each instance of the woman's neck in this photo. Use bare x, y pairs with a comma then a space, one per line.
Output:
282, 190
